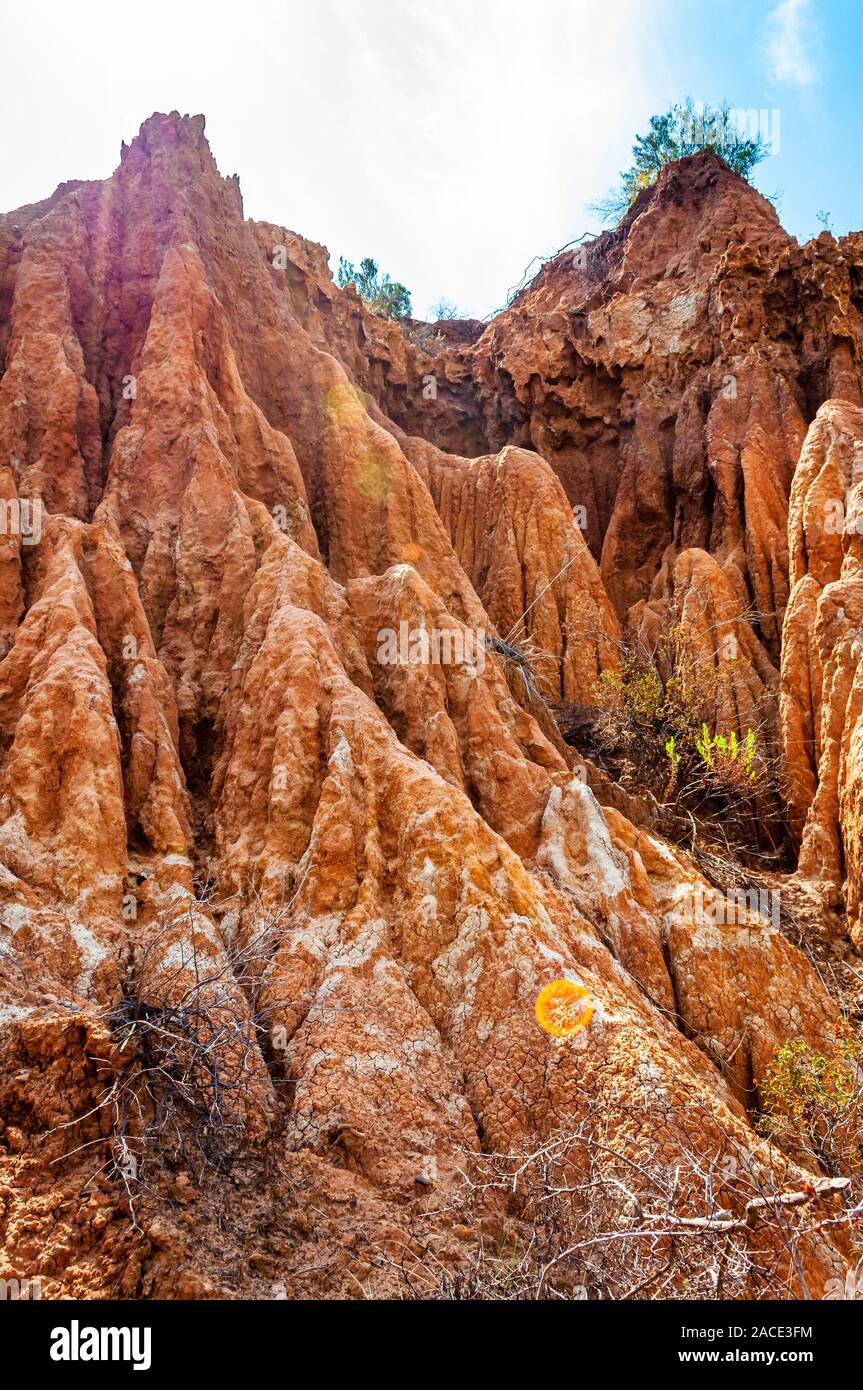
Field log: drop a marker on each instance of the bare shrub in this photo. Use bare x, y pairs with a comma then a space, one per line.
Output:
578, 1216
186, 1085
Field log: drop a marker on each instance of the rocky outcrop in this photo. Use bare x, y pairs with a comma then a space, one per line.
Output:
822, 695
278, 761
667, 372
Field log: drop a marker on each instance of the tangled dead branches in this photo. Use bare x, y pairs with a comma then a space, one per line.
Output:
190, 1088
582, 1216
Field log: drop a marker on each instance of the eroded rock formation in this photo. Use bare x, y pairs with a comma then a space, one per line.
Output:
822, 696
219, 785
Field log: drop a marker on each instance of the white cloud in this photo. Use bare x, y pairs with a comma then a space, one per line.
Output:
471, 134
453, 140
791, 43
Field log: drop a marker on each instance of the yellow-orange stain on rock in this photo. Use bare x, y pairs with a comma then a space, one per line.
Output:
563, 1008
368, 459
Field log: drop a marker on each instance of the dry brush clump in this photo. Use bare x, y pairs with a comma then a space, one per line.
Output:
581, 1216
187, 1086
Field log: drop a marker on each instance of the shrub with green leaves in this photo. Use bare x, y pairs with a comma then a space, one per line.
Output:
383, 296
682, 130
727, 759
658, 729
813, 1102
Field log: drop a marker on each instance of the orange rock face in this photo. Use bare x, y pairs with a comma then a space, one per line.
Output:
822, 694
267, 755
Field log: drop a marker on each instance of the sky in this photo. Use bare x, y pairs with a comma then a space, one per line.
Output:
452, 140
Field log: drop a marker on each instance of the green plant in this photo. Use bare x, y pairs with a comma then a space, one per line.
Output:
813, 1101
682, 130
727, 759
658, 730
657, 702
675, 759
384, 296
